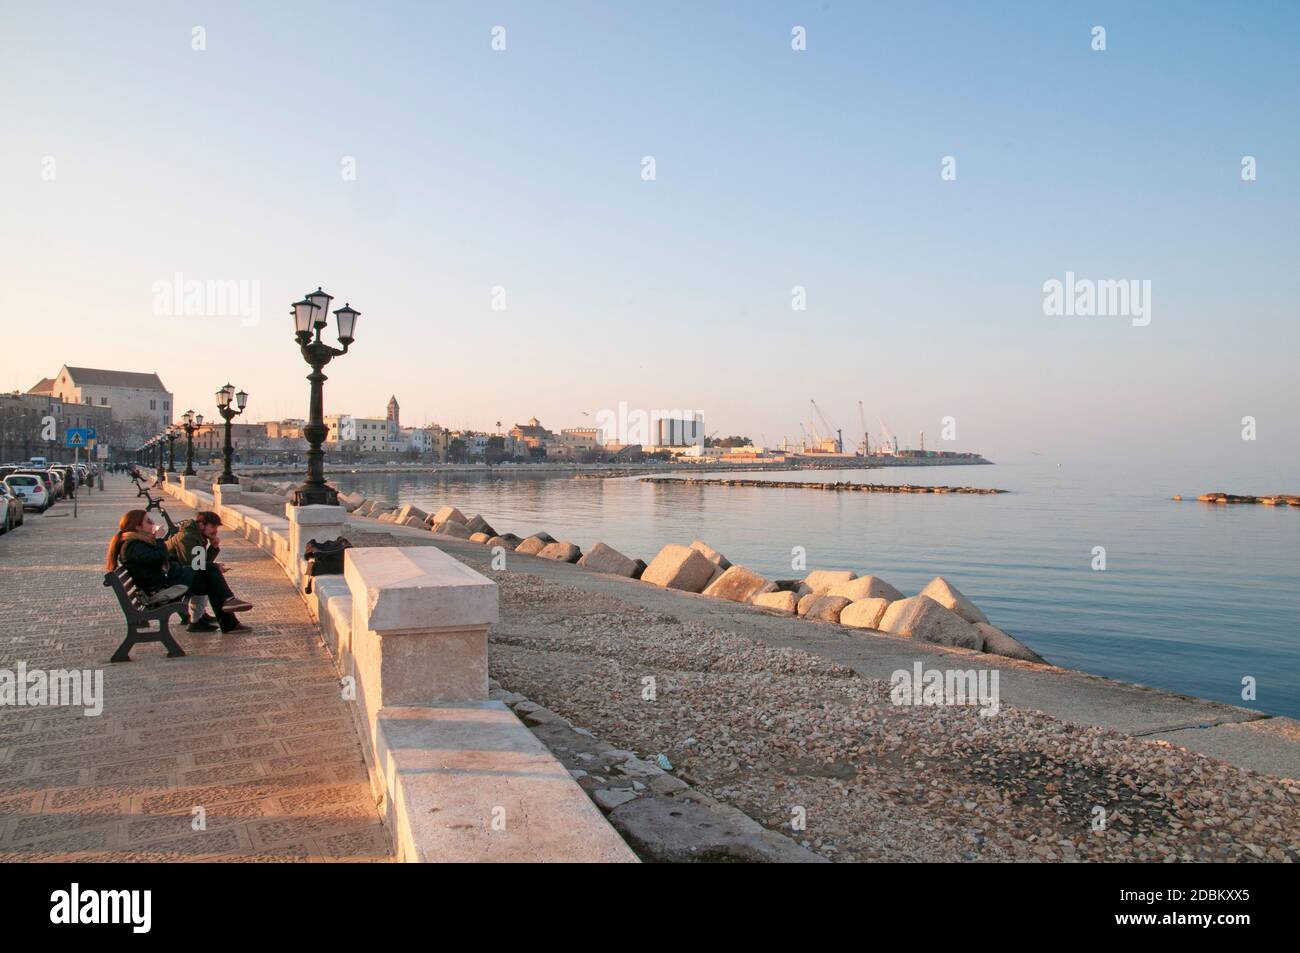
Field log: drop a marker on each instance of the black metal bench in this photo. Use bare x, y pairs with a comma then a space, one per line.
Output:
139, 616
155, 504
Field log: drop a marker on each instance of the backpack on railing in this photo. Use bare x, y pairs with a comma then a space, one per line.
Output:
325, 558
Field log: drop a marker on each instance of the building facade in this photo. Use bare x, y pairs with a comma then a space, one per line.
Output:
137, 402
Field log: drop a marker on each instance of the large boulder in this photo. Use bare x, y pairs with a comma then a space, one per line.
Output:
865, 587
351, 501
504, 542
451, 528
921, 618
997, 642
822, 608
413, 521
607, 559
864, 613
950, 597
561, 552
679, 567
479, 537
533, 545
736, 584
477, 524
783, 601
449, 513
819, 581
408, 510
711, 554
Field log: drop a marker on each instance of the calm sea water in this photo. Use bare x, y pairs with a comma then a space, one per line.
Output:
1194, 597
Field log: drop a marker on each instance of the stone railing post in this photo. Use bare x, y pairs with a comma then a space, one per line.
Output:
225, 494
420, 624
306, 523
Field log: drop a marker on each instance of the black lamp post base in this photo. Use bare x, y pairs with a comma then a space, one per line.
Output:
228, 480
315, 496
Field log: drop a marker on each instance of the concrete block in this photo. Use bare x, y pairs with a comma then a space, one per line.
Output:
450, 771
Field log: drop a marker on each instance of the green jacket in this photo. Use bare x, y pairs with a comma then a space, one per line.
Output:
189, 538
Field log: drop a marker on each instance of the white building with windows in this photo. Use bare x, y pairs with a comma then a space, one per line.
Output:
130, 396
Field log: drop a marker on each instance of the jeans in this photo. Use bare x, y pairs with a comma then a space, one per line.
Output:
211, 582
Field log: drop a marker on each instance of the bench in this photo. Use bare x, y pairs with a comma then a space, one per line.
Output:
139, 616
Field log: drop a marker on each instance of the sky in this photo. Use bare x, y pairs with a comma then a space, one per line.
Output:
516, 176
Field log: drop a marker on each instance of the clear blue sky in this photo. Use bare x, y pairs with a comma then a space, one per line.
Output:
775, 168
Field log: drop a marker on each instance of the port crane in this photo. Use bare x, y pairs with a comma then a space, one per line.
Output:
890, 441
839, 438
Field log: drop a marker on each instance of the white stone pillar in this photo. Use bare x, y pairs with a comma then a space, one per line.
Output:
420, 624
310, 522
225, 494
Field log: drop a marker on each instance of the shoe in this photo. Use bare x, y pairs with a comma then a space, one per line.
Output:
236, 605
238, 627
209, 618
203, 625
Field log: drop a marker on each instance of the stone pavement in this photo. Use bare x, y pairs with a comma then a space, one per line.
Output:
243, 750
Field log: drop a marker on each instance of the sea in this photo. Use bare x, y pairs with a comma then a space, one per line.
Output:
1092, 565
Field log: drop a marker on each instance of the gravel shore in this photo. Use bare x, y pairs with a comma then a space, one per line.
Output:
782, 733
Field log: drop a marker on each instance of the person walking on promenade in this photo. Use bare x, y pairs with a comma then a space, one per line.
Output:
136, 547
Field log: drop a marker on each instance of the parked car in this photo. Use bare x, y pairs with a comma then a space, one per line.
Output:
11, 509
29, 487
50, 483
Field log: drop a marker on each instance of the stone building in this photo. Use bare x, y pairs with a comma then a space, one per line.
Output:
137, 401
37, 425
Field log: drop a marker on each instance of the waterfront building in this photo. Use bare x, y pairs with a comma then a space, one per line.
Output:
679, 431
138, 401
532, 434
25, 430
574, 443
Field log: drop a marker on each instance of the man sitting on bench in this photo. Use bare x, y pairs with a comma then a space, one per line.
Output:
136, 546
195, 544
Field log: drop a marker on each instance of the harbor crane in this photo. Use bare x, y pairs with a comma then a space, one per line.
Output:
889, 439
866, 440
839, 439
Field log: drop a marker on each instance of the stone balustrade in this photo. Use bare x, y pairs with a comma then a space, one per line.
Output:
457, 775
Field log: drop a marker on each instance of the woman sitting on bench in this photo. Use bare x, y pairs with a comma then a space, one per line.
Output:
137, 547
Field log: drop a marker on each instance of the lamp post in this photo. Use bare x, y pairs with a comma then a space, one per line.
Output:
158, 444
173, 434
225, 397
190, 422
311, 314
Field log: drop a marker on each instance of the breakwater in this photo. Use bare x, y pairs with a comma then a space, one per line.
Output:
1277, 499
838, 486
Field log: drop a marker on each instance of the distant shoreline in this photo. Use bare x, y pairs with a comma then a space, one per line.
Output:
614, 470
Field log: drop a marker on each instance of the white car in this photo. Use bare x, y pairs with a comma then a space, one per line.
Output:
11, 509
30, 490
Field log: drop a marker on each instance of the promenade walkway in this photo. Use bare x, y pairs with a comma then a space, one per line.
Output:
244, 750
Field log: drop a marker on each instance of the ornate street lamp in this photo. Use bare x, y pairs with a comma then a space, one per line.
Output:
158, 444
310, 316
173, 434
190, 423
225, 397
